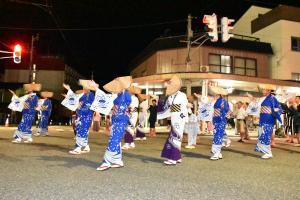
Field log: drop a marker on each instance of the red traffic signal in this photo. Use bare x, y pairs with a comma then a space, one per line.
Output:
211, 26
17, 53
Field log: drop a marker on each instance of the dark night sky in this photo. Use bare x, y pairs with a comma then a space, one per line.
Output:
116, 39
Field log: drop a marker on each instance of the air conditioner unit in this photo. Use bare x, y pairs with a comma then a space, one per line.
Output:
204, 68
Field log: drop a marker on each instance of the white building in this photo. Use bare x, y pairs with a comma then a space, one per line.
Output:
281, 28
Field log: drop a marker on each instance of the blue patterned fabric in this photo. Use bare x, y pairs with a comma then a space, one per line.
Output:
221, 108
270, 112
28, 114
83, 119
120, 120
43, 125
276, 110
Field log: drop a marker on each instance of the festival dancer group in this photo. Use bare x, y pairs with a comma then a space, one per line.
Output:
123, 100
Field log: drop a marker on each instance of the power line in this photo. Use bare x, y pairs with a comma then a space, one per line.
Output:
92, 28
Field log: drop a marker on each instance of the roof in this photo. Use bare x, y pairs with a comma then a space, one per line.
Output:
12, 86
164, 43
282, 12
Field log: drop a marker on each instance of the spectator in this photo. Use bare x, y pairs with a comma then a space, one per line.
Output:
241, 120
297, 119
153, 117
96, 121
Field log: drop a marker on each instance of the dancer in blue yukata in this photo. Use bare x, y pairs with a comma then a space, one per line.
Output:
221, 108
270, 111
27, 105
133, 117
81, 103
176, 108
120, 120
45, 108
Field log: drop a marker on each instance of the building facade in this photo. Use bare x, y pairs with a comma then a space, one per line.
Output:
238, 65
50, 71
281, 28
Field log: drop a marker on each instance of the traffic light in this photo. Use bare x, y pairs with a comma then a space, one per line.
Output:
225, 27
211, 26
17, 53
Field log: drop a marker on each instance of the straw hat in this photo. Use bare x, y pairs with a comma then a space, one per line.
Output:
118, 84
125, 81
88, 84
218, 90
173, 85
46, 94
267, 87
114, 86
32, 87
134, 90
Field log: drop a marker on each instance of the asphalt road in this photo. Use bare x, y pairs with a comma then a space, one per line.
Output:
45, 170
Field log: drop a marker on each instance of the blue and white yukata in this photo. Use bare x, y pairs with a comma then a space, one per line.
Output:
28, 114
176, 108
133, 117
270, 111
221, 108
84, 116
46, 112
140, 130
120, 120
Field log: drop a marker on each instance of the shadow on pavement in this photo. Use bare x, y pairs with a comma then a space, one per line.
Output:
46, 146
285, 149
243, 153
59, 136
8, 158
194, 155
143, 158
69, 162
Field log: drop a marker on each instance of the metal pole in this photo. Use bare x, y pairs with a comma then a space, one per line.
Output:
34, 73
31, 55
147, 93
6, 51
6, 57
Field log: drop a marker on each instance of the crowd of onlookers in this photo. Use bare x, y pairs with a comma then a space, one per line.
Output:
242, 122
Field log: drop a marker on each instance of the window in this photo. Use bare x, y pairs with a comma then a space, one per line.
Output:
295, 43
296, 76
245, 66
220, 63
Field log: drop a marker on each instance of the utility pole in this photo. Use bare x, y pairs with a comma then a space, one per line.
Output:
189, 37
33, 39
